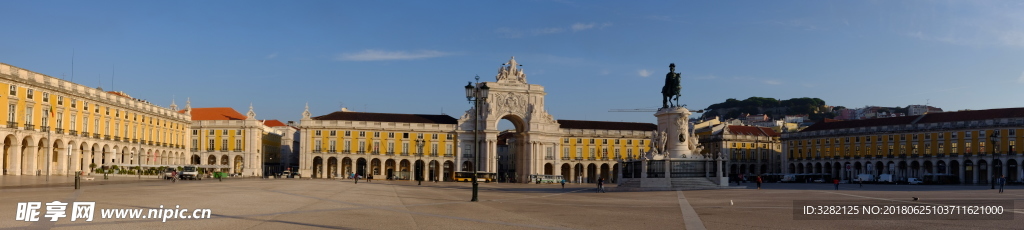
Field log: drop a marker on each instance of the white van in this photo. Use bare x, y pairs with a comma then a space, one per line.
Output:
863, 178
885, 178
914, 181
788, 178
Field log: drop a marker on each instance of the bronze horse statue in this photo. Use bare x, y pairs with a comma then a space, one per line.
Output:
671, 88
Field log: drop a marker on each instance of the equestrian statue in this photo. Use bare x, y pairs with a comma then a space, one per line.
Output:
671, 88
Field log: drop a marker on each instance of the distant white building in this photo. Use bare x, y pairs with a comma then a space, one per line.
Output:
768, 123
795, 118
914, 110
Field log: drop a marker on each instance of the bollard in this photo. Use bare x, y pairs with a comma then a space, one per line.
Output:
78, 180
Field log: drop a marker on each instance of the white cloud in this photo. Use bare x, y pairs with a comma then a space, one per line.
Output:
380, 55
553, 30
1012, 38
771, 82
1021, 78
581, 26
272, 56
518, 33
644, 73
948, 38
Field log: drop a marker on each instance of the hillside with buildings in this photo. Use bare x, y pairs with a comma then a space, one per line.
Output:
813, 108
796, 113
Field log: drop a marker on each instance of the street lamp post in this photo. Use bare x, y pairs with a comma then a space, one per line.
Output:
419, 169
476, 93
138, 159
68, 168
994, 138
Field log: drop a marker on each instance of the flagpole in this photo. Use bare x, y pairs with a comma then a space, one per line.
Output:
49, 142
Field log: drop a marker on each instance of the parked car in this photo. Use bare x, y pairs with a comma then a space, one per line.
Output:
914, 181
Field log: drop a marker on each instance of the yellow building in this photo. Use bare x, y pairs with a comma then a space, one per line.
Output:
83, 127
227, 141
753, 151
387, 145
591, 149
950, 147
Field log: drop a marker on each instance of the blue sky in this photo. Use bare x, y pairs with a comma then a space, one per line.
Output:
591, 56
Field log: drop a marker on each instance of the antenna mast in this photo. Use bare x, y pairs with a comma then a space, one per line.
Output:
72, 64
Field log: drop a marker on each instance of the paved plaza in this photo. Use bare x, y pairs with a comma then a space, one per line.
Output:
302, 204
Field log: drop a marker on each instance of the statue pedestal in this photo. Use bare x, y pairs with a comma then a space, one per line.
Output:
674, 122
675, 174
674, 162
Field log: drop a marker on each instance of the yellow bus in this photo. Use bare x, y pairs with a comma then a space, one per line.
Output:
480, 176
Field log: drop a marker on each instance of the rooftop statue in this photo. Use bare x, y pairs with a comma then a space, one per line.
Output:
510, 72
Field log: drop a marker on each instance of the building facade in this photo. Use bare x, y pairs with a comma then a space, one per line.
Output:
387, 146
591, 150
226, 141
381, 145
750, 150
283, 157
966, 147
57, 127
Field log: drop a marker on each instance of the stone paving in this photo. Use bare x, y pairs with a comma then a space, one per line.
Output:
303, 204
772, 206
8, 182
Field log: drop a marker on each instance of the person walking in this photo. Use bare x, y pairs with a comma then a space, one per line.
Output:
1001, 181
836, 182
600, 185
563, 183
174, 177
759, 182
355, 177
860, 181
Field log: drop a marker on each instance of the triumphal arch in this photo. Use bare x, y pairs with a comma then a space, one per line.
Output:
510, 98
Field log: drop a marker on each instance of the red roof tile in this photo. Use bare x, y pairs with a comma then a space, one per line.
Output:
972, 115
118, 94
752, 130
218, 113
860, 123
388, 117
273, 123
609, 125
